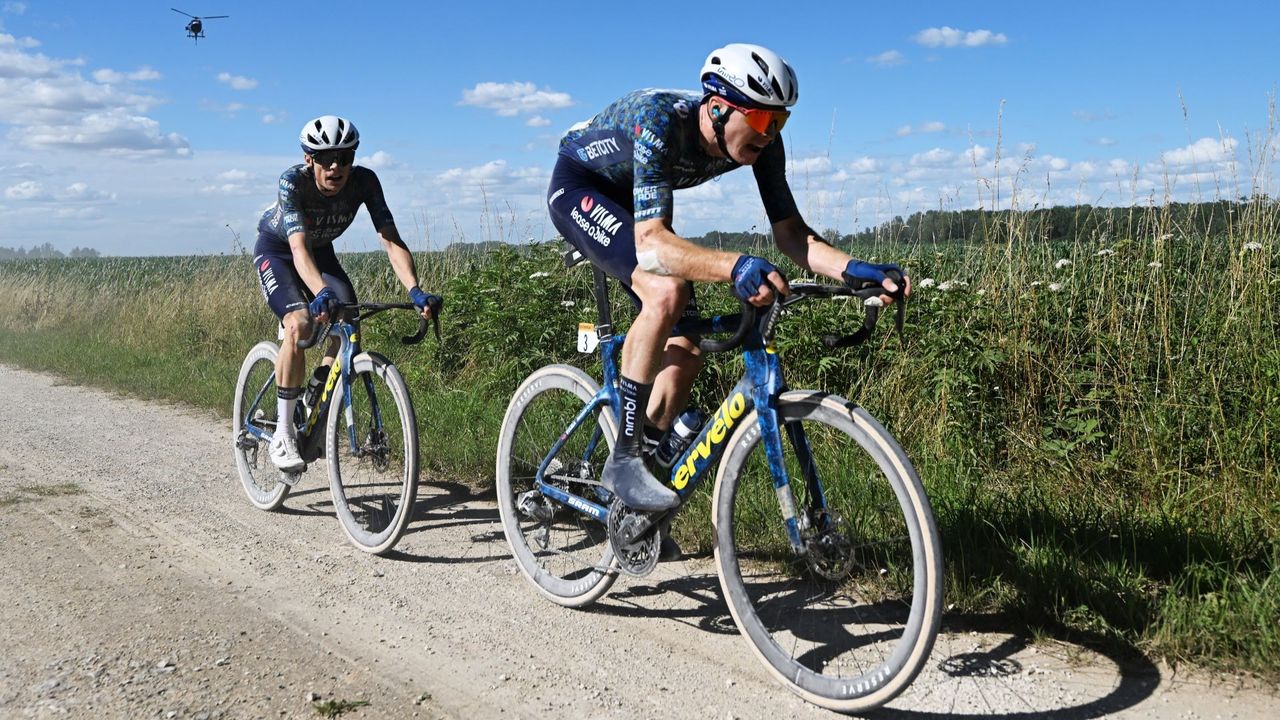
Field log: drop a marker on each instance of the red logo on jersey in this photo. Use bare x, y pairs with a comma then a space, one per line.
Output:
264, 264
587, 203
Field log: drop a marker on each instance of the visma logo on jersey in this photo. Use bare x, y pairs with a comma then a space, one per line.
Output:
599, 224
726, 417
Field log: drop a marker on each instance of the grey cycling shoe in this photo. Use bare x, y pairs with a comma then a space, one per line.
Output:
635, 486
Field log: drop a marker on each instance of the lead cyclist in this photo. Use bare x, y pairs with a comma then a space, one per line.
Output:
611, 198
297, 267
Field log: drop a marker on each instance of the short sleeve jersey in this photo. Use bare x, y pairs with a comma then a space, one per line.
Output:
300, 206
649, 141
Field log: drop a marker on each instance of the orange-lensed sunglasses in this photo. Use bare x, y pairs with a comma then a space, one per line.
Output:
761, 120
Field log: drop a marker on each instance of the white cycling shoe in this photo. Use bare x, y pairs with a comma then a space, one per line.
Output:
284, 454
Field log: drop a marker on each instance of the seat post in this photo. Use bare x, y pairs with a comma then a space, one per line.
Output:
604, 316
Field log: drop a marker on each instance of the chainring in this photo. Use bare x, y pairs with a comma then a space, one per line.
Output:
639, 557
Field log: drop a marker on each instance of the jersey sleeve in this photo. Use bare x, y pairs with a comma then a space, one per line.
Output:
290, 201
651, 192
375, 202
771, 177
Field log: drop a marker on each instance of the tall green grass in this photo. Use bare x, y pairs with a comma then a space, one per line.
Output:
1096, 421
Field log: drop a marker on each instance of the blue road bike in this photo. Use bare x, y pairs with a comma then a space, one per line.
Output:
824, 540
361, 421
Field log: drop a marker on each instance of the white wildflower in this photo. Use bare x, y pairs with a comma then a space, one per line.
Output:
1252, 246
873, 302
566, 303
1167, 236
928, 283
950, 285
1055, 287
539, 274
1155, 265
1063, 263
1104, 252
1036, 283
982, 292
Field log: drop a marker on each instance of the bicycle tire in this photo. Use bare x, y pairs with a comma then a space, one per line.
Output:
374, 485
854, 640
259, 478
576, 565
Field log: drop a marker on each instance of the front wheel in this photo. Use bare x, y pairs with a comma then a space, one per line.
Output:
849, 623
371, 442
565, 553
253, 422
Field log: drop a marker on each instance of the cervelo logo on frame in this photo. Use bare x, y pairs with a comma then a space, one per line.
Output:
598, 223
725, 418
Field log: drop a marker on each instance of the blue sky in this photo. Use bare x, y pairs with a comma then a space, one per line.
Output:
123, 135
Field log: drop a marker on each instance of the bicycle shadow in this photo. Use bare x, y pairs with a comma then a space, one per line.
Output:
995, 681
449, 504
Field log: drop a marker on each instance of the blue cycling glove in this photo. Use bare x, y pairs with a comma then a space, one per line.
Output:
749, 273
421, 299
857, 274
324, 303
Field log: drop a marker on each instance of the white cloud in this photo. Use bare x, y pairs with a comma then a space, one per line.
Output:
234, 175
13, 8
864, 165
49, 104
379, 160
888, 58
26, 190
537, 121
951, 37
933, 126
237, 82
81, 192
274, 118
1105, 141
937, 157
109, 76
819, 165
508, 99
1204, 150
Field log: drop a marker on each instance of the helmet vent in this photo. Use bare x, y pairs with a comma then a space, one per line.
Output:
764, 66
760, 89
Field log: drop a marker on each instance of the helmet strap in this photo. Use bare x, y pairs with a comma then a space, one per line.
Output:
718, 121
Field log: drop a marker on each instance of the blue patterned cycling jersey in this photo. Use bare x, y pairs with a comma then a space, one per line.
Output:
649, 141
301, 207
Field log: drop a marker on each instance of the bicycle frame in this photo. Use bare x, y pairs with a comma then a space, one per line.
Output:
759, 387
310, 438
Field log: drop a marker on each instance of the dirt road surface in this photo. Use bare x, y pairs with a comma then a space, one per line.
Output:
137, 581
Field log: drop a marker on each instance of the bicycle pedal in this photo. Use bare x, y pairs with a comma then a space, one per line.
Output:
291, 479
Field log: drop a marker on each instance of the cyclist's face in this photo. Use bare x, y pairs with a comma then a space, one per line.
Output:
331, 178
745, 143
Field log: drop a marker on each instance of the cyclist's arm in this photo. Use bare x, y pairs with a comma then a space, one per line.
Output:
662, 252
807, 249
401, 258
304, 263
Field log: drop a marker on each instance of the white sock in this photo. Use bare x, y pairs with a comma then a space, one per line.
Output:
284, 415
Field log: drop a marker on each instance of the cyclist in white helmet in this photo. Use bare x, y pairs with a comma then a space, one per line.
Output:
611, 197
297, 267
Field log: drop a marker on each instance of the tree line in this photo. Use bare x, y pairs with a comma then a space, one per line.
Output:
44, 252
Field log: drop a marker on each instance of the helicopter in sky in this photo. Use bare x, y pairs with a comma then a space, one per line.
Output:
195, 28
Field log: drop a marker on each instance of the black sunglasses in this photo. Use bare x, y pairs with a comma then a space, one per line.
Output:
325, 158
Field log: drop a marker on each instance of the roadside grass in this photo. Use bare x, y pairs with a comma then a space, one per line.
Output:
29, 493
1096, 422
337, 708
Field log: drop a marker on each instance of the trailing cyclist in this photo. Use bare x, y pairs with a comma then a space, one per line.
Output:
611, 197
297, 267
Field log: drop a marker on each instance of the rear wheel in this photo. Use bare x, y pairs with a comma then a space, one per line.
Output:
253, 418
372, 451
849, 624
563, 551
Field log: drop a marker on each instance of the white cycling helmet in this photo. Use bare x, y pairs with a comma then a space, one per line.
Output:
329, 132
750, 75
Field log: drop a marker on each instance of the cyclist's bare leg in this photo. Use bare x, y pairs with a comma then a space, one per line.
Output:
662, 302
681, 363
290, 363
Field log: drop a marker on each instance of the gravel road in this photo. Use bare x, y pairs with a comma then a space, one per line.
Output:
137, 581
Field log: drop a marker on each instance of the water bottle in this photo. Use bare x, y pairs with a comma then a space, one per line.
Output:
312, 393
682, 432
